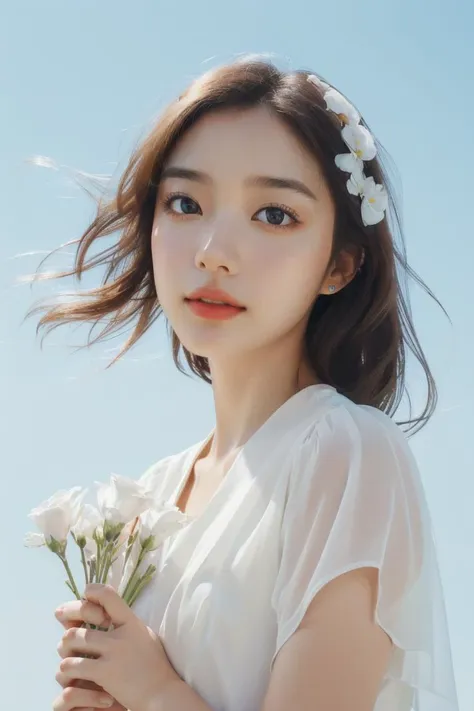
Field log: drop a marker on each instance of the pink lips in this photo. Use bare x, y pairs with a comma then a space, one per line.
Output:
227, 308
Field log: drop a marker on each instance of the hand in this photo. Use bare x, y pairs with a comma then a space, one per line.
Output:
79, 694
129, 661
85, 700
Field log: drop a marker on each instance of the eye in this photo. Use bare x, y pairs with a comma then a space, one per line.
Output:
180, 204
278, 216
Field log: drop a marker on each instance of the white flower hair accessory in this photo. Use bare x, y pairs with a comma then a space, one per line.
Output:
362, 147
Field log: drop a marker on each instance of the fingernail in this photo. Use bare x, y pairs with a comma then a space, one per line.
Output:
106, 701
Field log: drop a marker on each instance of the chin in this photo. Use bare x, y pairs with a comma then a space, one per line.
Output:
204, 346
209, 340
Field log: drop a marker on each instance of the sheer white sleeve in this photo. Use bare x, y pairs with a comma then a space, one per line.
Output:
355, 500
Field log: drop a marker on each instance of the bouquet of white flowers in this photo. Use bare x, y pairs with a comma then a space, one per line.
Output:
114, 536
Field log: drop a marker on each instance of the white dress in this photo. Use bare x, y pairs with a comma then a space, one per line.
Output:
323, 487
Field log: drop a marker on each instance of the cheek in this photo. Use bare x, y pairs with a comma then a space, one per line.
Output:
164, 247
292, 281
169, 255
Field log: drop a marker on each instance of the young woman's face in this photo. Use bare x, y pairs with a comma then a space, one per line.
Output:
235, 224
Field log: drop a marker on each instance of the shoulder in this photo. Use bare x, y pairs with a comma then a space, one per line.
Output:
353, 471
342, 421
348, 443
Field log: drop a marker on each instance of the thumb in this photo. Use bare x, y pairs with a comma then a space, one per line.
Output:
105, 595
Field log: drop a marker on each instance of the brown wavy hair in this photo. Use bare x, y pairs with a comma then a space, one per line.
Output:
357, 340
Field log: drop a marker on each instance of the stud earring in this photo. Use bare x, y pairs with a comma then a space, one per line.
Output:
331, 288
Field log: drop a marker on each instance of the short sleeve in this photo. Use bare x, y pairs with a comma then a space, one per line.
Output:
355, 499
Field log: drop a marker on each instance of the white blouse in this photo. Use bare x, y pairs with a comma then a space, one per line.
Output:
323, 487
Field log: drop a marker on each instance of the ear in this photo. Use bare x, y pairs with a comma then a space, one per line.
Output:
341, 271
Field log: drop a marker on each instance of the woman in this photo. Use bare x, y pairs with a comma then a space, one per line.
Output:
256, 217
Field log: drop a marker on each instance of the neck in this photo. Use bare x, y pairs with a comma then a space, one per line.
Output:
249, 388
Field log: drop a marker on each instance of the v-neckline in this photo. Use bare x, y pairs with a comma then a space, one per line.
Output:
276, 416
188, 471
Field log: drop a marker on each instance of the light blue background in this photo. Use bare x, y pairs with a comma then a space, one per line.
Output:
80, 82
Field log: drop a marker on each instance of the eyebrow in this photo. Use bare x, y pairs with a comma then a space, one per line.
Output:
259, 181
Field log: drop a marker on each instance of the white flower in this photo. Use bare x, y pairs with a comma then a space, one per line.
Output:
90, 549
89, 520
337, 103
318, 82
362, 148
360, 141
127, 530
89, 523
374, 203
34, 540
55, 516
122, 499
158, 524
350, 163
355, 184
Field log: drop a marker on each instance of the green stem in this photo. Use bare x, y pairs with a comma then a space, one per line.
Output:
70, 576
92, 569
84, 564
131, 541
135, 591
141, 584
98, 560
104, 559
70, 587
131, 580
111, 560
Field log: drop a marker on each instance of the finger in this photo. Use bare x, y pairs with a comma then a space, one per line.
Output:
79, 640
115, 607
80, 668
72, 698
64, 680
73, 614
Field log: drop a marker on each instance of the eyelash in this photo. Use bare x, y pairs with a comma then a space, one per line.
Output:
168, 200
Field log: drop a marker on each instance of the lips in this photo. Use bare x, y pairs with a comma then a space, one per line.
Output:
215, 296
214, 304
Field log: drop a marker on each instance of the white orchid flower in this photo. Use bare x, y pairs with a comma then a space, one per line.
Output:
157, 524
337, 103
121, 499
374, 196
355, 184
57, 515
374, 202
360, 141
362, 148
318, 82
349, 163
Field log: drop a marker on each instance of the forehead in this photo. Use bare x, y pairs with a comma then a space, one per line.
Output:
244, 142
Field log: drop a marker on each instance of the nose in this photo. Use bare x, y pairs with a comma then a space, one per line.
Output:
215, 252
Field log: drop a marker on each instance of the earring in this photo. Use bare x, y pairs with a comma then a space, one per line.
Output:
331, 288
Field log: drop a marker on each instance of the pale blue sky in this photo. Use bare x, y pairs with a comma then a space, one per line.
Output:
80, 82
